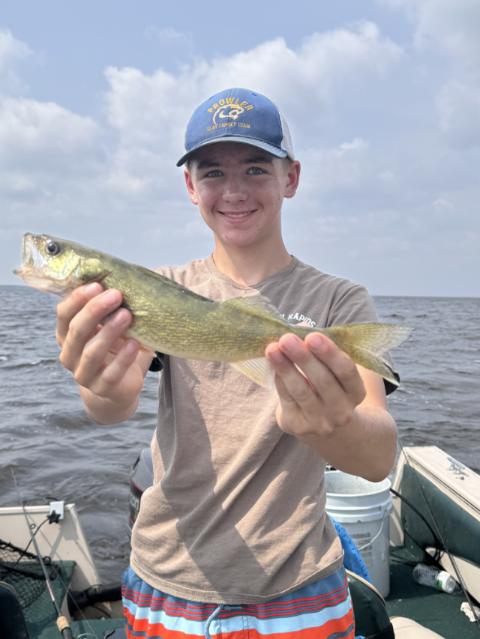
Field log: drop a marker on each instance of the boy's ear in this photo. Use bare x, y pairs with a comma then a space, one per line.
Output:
293, 174
190, 187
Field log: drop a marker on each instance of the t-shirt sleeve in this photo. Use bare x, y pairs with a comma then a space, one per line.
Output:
352, 304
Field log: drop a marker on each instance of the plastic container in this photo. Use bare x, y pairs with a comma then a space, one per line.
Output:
363, 508
435, 578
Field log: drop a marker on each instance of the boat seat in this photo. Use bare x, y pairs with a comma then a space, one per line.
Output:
371, 617
12, 621
370, 612
409, 629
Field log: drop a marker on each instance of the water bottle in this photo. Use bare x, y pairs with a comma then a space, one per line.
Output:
435, 578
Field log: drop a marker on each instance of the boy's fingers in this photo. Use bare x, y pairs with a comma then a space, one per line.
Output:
71, 305
339, 363
317, 376
114, 372
93, 356
292, 385
84, 326
329, 370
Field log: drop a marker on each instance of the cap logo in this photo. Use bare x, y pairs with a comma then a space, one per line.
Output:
226, 111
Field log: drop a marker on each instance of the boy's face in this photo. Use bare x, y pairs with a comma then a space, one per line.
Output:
239, 190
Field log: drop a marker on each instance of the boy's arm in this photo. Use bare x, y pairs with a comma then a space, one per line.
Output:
334, 406
109, 368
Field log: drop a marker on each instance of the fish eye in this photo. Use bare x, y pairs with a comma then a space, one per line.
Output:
52, 247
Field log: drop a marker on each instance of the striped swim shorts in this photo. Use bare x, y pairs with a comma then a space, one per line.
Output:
321, 610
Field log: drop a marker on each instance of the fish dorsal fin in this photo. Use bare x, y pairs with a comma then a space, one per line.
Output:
258, 370
256, 305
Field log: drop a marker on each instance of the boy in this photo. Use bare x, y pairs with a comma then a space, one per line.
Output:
232, 538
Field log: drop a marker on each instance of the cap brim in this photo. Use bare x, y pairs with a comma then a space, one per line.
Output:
279, 153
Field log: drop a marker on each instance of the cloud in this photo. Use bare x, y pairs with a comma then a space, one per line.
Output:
31, 130
330, 171
170, 37
450, 30
445, 26
49, 161
44, 147
12, 51
458, 106
453, 26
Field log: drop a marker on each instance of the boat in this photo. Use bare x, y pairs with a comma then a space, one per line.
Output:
49, 538
434, 518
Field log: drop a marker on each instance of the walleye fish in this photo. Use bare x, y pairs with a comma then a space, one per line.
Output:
171, 319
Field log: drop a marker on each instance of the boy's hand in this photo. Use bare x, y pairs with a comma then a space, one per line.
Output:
319, 386
332, 405
91, 333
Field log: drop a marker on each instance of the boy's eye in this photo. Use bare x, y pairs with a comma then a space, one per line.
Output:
255, 170
213, 173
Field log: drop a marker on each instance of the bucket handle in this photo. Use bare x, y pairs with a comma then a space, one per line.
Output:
378, 533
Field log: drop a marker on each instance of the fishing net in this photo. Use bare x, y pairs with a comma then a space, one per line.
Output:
23, 571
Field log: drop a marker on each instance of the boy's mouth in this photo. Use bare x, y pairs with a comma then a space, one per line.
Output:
236, 215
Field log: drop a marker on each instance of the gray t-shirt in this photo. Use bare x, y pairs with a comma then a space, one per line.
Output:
236, 512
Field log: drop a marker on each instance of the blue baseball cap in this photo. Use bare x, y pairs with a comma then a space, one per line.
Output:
238, 115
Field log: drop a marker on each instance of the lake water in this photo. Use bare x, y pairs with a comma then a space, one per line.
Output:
56, 453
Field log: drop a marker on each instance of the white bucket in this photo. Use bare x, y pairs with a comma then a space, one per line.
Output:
363, 508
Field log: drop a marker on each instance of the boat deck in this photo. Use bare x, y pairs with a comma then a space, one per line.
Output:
435, 610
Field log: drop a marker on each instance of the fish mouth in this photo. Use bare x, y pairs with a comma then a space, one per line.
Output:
32, 270
31, 257
36, 279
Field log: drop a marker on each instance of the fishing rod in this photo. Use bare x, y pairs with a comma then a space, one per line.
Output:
63, 624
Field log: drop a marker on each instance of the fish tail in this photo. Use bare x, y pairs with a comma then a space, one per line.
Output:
366, 343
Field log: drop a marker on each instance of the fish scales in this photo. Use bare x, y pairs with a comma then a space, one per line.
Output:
173, 321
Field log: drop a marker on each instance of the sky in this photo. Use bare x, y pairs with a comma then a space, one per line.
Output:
382, 98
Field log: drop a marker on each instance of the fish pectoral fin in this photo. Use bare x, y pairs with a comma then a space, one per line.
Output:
94, 271
258, 370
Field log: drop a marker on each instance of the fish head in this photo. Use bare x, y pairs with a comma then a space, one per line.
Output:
55, 265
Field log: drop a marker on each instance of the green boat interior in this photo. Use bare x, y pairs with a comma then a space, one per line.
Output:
434, 514
37, 620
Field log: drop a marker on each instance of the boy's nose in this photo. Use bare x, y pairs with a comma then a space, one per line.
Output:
235, 191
